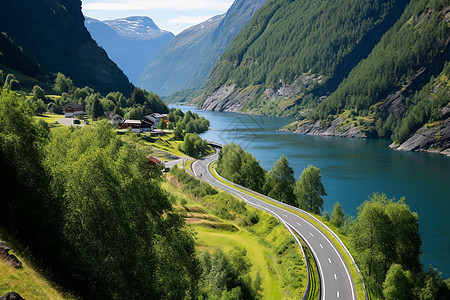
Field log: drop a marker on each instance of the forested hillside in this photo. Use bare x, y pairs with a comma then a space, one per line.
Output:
53, 35
342, 67
187, 60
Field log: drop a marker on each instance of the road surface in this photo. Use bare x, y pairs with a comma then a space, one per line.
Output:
335, 277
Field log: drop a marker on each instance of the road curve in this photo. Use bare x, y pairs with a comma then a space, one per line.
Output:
335, 277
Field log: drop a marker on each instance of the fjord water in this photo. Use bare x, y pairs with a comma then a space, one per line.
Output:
352, 169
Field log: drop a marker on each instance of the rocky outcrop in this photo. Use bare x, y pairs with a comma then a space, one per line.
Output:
232, 98
430, 138
335, 128
393, 104
228, 98
10, 258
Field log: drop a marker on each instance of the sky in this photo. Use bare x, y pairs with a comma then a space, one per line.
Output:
171, 15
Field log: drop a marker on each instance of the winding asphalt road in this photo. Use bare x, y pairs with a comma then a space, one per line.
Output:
335, 277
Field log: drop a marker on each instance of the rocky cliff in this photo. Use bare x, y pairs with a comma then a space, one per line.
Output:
432, 137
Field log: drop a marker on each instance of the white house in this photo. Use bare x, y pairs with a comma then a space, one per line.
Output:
72, 110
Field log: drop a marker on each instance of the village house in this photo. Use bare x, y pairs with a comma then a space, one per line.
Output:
72, 110
155, 118
154, 160
136, 125
115, 119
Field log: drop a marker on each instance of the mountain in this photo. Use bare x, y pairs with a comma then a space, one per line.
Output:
342, 68
187, 60
52, 33
130, 42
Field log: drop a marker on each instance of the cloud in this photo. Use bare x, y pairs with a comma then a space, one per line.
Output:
121, 5
189, 19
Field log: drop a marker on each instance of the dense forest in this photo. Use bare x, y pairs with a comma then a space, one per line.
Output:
286, 39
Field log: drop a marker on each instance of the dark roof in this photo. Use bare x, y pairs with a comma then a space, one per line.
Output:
74, 106
111, 115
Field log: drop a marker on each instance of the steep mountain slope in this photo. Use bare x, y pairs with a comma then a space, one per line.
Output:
130, 42
187, 60
53, 35
289, 45
342, 68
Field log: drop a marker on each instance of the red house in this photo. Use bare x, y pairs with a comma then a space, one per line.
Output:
72, 110
137, 125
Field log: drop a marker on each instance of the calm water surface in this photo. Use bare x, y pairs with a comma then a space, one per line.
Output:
352, 169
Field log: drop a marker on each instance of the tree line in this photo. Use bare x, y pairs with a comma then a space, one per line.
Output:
139, 104
239, 166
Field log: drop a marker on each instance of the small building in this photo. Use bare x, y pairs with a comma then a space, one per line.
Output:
155, 118
154, 160
71, 110
146, 126
115, 119
134, 125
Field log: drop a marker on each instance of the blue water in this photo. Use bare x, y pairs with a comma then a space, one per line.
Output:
352, 169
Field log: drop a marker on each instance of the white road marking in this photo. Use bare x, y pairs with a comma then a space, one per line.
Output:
335, 277
338, 294
321, 246
299, 224
329, 260
285, 215
311, 234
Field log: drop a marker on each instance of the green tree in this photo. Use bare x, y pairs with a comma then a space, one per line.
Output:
433, 286
29, 212
385, 232
162, 125
398, 284
241, 167
337, 215
194, 146
309, 190
97, 109
38, 93
406, 229
11, 83
280, 181
63, 84
142, 243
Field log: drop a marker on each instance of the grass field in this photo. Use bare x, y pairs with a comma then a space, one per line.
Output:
51, 119
259, 255
260, 247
